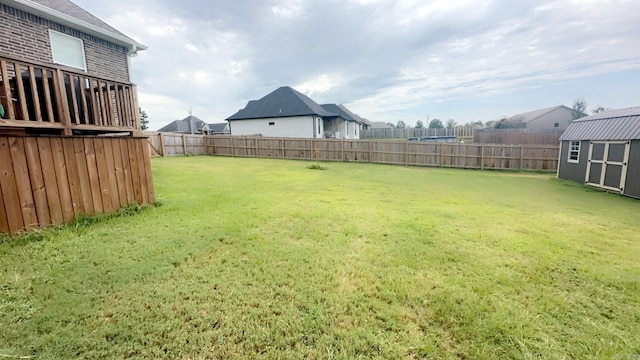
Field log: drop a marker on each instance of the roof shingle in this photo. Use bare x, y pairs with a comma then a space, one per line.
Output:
282, 102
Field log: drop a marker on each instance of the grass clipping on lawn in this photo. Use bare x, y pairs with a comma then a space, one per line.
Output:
252, 258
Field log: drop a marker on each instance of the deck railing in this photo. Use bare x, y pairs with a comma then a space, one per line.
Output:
36, 95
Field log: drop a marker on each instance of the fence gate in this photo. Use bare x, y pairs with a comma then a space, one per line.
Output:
607, 166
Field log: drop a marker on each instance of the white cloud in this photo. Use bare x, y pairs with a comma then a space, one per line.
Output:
386, 59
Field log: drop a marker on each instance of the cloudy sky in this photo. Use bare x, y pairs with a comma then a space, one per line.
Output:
407, 60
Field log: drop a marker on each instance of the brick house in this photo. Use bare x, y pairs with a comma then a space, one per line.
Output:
64, 72
55, 45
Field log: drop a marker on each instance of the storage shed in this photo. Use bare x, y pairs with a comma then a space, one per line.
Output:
603, 150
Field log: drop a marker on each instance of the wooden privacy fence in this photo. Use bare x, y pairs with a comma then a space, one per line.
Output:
462, 132
473, 156
170, 144
518, 136
49, 180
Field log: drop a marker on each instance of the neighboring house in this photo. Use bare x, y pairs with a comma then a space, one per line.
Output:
219, 129
366, 124
380, 125
344, 125
286, 112
603, 150
44, 36
555, 117
189, 125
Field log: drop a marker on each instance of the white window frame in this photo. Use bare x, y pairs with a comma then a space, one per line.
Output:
52, 35
577, 152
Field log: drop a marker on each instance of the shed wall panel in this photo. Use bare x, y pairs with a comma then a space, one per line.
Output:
573, 171
632, 187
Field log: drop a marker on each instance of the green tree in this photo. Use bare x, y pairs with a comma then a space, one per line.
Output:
511, 123
579, 107
391, 124
419, 124
401, 125
436, 124
144, 120
599, 109
451, 124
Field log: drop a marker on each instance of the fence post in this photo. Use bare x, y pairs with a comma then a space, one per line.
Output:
233, 150
342, 149
370, 151
161, 144
482, 157
282, 146
406, 153
204, 142
184, 146
311, 149
257, 146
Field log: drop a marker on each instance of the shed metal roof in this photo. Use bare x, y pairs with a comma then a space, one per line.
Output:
619, 124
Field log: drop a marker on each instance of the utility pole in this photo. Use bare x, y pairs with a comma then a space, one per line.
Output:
191, 120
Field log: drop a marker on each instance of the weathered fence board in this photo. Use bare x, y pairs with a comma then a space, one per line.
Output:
458, 155
49, 180
518, 136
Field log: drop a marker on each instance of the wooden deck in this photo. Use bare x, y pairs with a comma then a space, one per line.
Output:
46, 99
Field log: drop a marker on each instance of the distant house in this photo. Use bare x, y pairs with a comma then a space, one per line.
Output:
555, 117
603, 150
188, 125
219, 129
286, 112
344, 124
380, 125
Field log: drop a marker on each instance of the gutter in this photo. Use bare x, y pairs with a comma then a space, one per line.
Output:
64, 19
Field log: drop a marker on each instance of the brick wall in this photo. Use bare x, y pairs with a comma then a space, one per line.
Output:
27, 36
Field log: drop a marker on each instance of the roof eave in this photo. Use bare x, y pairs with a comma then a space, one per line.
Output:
64, 19
268, 117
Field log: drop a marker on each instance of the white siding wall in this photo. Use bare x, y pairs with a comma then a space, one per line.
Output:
353, 132
295, 126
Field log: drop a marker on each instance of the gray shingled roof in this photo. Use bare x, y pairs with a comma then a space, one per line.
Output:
218, 127
68, 8
380, 125
340, 110
184, 126
355, 117
619, 124
69, 14
282, 102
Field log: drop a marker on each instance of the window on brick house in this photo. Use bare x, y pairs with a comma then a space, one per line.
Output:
67, 50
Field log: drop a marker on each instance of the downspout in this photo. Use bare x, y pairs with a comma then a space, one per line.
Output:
133, 52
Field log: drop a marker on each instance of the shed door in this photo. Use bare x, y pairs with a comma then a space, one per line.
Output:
607, 167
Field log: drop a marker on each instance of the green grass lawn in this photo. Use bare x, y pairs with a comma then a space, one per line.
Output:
259, 258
